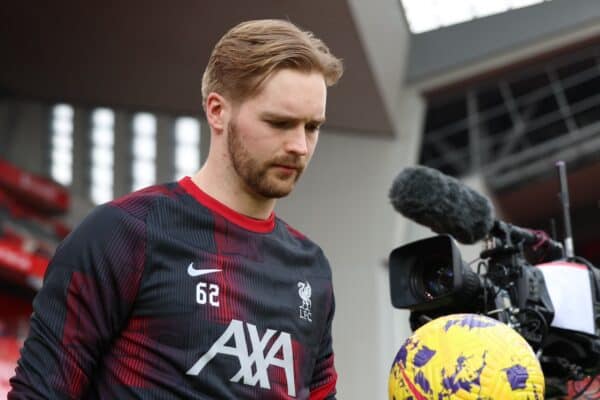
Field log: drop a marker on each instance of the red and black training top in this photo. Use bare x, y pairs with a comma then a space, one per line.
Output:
167, 293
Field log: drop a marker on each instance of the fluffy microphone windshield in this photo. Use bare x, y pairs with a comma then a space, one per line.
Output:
442, 203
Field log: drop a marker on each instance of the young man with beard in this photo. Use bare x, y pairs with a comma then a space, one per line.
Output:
195, 289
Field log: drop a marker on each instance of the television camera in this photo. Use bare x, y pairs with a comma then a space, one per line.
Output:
522, 278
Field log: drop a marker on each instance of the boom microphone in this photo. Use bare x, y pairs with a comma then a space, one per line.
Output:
442, 203
445, 205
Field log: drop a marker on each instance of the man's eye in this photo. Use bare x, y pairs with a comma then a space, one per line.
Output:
280, 124
312, 127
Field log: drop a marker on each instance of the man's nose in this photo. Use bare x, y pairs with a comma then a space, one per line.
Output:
296, 141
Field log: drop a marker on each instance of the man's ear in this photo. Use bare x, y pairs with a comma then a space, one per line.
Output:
217, 110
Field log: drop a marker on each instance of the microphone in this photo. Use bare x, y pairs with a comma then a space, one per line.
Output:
447, 206
442, 203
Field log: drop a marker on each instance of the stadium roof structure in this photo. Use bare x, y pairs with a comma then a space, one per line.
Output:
150, 54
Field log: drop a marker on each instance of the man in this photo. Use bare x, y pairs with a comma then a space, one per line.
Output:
195, 289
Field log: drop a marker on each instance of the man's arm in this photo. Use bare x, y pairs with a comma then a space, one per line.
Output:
88, 291
322, 386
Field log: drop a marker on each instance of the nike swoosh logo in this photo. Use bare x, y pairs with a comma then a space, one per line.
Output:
198, 272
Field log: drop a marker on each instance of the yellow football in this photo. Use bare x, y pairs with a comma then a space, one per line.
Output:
466, 357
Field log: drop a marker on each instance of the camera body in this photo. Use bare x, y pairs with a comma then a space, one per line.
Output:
429, 278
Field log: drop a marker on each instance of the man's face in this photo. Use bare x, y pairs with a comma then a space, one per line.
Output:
272, 135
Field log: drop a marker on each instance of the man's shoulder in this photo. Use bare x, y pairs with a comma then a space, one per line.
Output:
298, 239
140, 202
130, 211
294, 234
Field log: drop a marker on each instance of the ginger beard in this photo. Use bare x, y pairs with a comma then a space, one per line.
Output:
261, 177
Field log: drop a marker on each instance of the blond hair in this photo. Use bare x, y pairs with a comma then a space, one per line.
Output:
252, 51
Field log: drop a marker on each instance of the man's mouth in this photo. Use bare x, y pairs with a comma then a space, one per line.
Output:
287, 167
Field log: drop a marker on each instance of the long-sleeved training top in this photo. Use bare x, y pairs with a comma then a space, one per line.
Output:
167, 293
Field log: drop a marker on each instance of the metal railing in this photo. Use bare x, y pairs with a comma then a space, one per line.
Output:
475, 141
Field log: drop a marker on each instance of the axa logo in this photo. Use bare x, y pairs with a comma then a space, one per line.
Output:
305, 291
256, 360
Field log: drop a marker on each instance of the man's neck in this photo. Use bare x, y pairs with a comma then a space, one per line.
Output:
220, 185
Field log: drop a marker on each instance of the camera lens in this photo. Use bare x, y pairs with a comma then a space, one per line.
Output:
437, 281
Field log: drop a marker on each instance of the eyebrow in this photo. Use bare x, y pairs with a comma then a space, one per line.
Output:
282, 117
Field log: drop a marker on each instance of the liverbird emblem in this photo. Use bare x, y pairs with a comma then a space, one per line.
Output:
305, 291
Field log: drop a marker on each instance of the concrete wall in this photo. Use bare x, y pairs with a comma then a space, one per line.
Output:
24, 138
